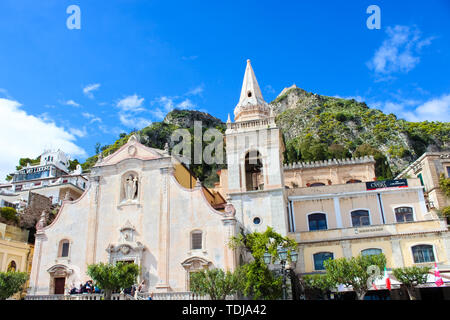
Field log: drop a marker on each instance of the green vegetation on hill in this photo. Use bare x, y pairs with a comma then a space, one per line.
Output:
319, 127
314, 127
158, 134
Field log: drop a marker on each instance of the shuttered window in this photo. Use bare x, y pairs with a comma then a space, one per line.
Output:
196, 240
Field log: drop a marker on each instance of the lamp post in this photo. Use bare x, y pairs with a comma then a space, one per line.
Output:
283, 255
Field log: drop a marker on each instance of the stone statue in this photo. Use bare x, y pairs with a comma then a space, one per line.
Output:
131, 187
67, 195
41, 223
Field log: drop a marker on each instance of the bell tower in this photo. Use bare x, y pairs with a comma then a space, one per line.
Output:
254, 157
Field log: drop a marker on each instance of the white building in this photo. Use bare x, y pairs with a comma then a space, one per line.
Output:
51, 178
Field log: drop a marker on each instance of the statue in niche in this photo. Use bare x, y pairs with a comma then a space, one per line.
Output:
131, 187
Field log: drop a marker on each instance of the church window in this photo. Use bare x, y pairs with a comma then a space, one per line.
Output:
64, 248
257, 220
317, 221
423, 253
360, 218
196, 240
404, 214
249, 94
253, 171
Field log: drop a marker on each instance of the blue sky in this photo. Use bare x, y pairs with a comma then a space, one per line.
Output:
134, 60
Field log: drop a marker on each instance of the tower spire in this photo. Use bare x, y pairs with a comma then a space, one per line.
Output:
251, 102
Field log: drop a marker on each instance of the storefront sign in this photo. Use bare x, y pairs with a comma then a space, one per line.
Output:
34, 170
399, 183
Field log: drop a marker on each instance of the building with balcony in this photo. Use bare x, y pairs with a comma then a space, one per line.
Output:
429, 168
50, 178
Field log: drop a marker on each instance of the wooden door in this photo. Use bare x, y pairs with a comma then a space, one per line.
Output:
59, 285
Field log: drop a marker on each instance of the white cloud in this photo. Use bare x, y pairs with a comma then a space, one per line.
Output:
131, 103
435, 109
89, 88
129, 107
71, 103
134, 122
25, 135
91, 117
167, 104
399, 52
196, 91
77, 132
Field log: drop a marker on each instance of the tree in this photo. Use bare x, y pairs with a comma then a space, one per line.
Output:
411, 277
9, 215
11, 283
73, 164
113, 278
258, 281
312, 149
319, 282
382, 168
338, 151
355, 271
215, 282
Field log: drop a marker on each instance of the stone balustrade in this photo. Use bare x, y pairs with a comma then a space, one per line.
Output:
121, 296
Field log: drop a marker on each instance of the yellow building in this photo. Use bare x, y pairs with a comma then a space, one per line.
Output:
15, 252
330, 220
428, 168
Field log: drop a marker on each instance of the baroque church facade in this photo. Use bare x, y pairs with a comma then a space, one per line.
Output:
144, 206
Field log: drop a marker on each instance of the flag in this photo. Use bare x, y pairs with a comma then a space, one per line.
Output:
374, 286
437, 277
386, 277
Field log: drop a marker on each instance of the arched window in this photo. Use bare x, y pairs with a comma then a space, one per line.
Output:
64, 247
320, 258
317, 221
423, 253
317, 184
360, 218
404, 214
353, 181
253, 171
196, 240
371, 252
12, 267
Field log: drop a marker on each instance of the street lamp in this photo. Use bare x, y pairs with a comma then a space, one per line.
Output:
283, 255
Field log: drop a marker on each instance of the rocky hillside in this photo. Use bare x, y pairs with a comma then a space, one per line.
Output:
316, 127
333, 126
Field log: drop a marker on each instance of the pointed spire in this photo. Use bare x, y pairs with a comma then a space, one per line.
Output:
250, 92
251, 103
229, 119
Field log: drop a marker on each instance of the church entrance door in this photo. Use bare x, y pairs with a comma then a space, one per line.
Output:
59, 285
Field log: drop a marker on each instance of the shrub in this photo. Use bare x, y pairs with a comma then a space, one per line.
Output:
9, 214
11, 283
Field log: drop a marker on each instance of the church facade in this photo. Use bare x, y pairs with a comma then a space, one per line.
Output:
139, 208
